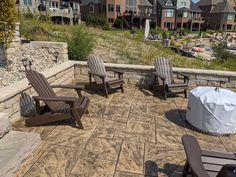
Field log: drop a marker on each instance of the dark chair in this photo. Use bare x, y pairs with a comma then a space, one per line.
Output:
202, 163
98, 71
56, 108
164, 74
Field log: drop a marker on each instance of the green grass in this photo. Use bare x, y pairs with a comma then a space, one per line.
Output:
127, 49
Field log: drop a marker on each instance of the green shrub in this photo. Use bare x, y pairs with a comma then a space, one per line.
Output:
118, 23
220, 52
28, 14
80, 44
97, 21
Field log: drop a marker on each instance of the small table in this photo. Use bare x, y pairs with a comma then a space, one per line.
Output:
212, 110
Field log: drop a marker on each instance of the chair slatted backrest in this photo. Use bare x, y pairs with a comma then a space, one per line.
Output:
163, 66
42, 87
194, 154
96, 66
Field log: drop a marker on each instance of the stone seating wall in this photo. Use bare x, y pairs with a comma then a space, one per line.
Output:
16, 98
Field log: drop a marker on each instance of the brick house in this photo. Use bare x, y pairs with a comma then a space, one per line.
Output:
116, 8
219, 14
110, 8
189, 16
165, 12
178, 14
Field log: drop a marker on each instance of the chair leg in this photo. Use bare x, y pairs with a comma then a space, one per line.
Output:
185, 170
122, 88
165, 93
77, 117
185, 93
106, 90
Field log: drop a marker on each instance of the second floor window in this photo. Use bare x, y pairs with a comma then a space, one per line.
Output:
131, 5
110, 7
169, 13
230, 17
117, 8
91, 8
185, 14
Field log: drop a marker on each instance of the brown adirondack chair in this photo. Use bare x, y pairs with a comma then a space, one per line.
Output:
202, 163
56, 107
99, 73
164, 74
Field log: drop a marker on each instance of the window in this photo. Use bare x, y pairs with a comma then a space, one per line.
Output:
25, 2
183, 4
30, 2
91, 8
17, 2
230, 17
110, 7
110, 20
185, 14
169, 3
104, 7
131, 5
117, 8
169, 13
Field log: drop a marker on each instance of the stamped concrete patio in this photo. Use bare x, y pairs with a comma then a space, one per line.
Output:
131, 134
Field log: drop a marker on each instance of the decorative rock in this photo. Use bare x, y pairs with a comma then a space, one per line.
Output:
15, 148
42, 56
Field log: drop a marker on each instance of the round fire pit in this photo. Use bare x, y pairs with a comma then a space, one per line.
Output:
212, 110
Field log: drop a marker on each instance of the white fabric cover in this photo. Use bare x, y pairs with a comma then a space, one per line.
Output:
212, 110
147, 28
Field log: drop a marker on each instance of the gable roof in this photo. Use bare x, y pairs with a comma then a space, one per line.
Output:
194, 7
208, 2
223, 7
166, 6
145, 3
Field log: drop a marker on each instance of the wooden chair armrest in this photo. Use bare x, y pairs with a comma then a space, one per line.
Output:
59, 99
159, 75
76, 87
115, 71
182, 74
102, 76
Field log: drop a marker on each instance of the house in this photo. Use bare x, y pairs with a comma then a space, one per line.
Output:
130, 10
188, 16
178, 14
166, 11
67, 11
219, 14
25, 5
110, 8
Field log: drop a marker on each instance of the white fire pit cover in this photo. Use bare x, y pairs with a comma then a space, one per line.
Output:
212, 110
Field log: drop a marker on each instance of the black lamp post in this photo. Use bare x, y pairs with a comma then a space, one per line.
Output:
24, 62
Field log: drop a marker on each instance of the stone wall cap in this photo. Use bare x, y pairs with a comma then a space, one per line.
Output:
22, 85
150, 67
50, 44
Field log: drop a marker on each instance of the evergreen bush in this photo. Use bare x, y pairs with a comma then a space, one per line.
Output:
80, 44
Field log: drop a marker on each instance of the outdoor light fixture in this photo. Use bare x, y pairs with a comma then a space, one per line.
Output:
24, 62
30, 64
55, 54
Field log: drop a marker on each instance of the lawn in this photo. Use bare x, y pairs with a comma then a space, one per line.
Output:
118, 46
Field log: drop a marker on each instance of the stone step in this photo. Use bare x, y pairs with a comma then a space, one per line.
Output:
15, 147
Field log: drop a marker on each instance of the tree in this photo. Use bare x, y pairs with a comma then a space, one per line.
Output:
8, 18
